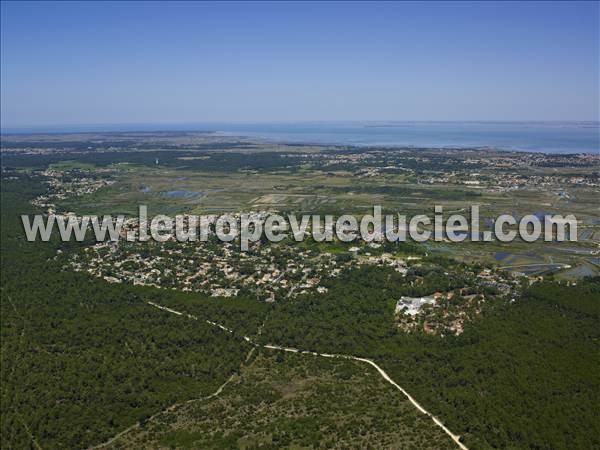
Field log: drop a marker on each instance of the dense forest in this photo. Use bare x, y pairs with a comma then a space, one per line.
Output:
83, 359
209, 158
194, 160
523, 375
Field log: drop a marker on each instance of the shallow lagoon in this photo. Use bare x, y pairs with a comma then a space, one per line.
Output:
183, 193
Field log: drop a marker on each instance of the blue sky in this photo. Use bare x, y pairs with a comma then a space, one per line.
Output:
111, 63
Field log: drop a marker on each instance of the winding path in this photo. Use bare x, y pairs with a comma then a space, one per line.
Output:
382, 372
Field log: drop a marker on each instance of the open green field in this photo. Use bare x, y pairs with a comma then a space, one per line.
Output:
172, 191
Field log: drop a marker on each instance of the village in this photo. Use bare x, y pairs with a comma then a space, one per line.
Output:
64, 184
275, 272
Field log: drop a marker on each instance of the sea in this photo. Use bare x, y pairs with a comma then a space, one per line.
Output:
547, 137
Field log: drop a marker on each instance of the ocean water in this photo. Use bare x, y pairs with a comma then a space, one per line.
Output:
547, 137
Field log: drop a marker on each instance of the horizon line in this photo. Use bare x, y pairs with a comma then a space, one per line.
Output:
22, 129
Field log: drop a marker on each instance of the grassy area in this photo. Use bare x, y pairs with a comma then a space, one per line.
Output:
171, 190
290, 401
